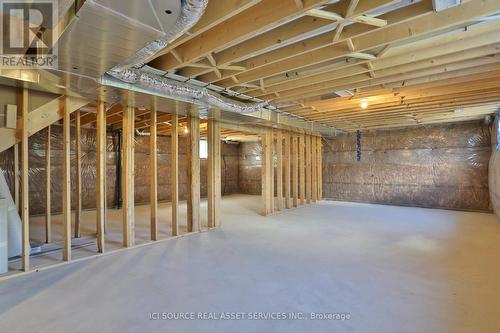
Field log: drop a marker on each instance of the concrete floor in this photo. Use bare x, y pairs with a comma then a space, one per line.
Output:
392, 269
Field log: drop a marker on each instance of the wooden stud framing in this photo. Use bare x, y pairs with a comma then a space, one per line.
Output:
287, 169
267, 170
295, 168
314, 168
78, 170
128, 176
17, 200
66, 190
153, 175
101, 174
193, 202
174, 173
214, 173
48, 221
23, 106
320, 169
279, 169
271, 171
308, 168
302, 169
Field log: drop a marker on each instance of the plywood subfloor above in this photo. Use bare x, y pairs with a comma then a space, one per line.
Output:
295, 53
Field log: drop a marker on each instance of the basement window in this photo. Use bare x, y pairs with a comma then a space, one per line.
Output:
203, 149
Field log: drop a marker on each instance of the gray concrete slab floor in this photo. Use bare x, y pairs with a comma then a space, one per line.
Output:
391, 269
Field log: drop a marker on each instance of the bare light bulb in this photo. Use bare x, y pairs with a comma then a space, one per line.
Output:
186, 131
364, 104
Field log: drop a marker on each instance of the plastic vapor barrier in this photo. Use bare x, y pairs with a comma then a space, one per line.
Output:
441, 166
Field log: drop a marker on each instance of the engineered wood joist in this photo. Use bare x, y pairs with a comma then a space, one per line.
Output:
288, 52
260, 17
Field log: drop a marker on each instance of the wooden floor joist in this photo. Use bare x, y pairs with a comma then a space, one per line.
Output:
174, 173
100, 174
66, 177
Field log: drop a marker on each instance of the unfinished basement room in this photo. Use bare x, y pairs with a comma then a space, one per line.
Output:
250, 166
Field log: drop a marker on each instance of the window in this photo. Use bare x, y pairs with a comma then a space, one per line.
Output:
203, 149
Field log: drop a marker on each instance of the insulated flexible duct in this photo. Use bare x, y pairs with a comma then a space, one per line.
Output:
138, 80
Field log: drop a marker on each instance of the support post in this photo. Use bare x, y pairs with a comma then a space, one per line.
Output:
17, 200
302, 169
267, 169
320, 169
66, 192
78, 162
279, 169
308, 168
295, 169
287, 169
193, 202
23, 103
214, 174
101, 174
174, 173
314, 168
48, 221
128, 176
153, 173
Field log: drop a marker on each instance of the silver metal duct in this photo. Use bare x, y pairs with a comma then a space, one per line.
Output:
162, 86
139, 80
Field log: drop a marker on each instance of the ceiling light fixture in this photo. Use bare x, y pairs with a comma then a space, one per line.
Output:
364, 103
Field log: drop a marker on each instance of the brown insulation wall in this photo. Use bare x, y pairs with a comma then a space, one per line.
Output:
250, 168
36, 157
442, 166
494, 169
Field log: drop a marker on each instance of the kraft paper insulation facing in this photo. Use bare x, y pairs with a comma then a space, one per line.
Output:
229, 169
